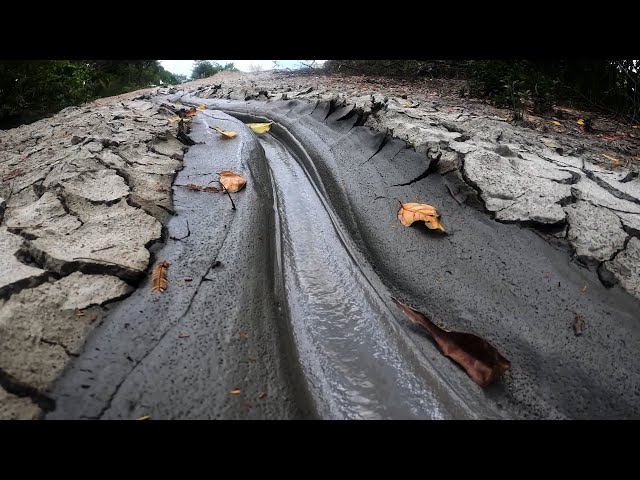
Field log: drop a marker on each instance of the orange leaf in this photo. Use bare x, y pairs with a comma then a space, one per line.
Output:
412, 212
159, 277
191, 112
232, 182
482, 362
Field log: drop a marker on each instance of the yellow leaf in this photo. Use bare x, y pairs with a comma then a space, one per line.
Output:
580, 122
260, 127
614, 160
412, 212
556, 123
201, 107
145, 417
224, 133
234, 392
174, 119
232, 182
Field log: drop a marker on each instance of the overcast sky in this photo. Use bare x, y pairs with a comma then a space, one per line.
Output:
184, 67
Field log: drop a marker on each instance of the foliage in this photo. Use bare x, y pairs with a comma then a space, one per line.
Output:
608, 85
207, 68
30, 90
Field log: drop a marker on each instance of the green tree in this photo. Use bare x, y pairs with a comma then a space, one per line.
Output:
207, 68
30, 90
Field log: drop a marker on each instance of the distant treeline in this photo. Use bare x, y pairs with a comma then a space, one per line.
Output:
605, 85
30, 90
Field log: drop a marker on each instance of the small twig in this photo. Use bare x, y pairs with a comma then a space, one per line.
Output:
187, 235
233, 205
101, 249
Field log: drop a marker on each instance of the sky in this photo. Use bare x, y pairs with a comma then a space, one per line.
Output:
184, 67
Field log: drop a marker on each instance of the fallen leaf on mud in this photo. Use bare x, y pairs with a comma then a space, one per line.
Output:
145, 417
174, 119
159, 277
243, 334
580, 122
12, 174
231, 181
482, 362
183, 335
549, 143
201, 188
584, 288
555, 122
225, 134
235, 392
614, 160
79, 313
93, 319
191, 112
261, 395
201, 107
578, 326
412, 212
260, 127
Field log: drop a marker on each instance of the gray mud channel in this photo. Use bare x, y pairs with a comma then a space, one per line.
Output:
299, 306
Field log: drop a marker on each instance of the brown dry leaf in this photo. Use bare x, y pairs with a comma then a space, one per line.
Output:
234, 392
578, 325
159, 277
225, 134
12, 174
201, 107
145, 417
232, 182
482, 362
260, 127
413, 212
200, 188
191, 112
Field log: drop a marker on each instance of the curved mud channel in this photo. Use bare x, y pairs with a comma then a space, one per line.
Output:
288, 298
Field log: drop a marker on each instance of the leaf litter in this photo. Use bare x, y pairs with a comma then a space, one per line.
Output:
482, 361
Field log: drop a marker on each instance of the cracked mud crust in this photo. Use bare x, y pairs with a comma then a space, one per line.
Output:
83, 191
